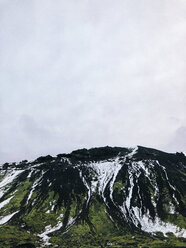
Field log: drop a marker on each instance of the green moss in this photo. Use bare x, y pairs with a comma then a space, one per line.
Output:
18, 196
37, 218
118, 186
1, 177
11, 236
177, 219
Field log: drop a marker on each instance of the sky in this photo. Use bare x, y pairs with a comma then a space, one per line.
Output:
90, 73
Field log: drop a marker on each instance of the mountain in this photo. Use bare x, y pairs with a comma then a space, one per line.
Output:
101, 197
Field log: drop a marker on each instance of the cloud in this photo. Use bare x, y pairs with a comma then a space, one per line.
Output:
89, 73
178, 141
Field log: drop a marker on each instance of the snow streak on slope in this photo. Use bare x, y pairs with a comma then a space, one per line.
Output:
49, 229
105, 171
87, 186
156, 225
6, 218
9, 177
135, 213
105, 174
164, 169
33, 188
2, 204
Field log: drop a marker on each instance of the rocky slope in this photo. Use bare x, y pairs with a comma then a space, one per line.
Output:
102, 197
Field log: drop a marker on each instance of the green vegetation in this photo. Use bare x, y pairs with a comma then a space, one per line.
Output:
13, 236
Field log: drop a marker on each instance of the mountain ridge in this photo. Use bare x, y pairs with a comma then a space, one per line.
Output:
105, 192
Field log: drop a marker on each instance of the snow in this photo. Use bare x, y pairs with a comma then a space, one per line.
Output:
71, 221
9, 177
147, 224
60, 216
116, 171
135, 214
33, 188
2, 204
31, 192
156, 225
37, 165
29, 175
148, 171
6, 218
44, 235
94, 184
128, 200
105, 171
52, 208
171, 208
87, 186
110, 217
49, 229
134, 151
172, 187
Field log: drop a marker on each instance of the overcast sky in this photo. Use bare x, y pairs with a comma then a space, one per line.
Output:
88, 73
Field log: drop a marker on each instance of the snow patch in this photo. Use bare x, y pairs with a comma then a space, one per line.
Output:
6, 218
156, 225
34, 186
105, 171
30, 173
87, 186
71, 221
9, 177
2, 204
171, 208
49, 229
134, 151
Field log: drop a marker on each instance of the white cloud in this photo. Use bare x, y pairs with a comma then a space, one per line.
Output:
90, 73
177, 141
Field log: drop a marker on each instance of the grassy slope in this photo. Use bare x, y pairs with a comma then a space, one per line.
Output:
96, 230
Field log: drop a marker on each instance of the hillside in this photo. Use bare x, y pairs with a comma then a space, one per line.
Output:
101, 197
